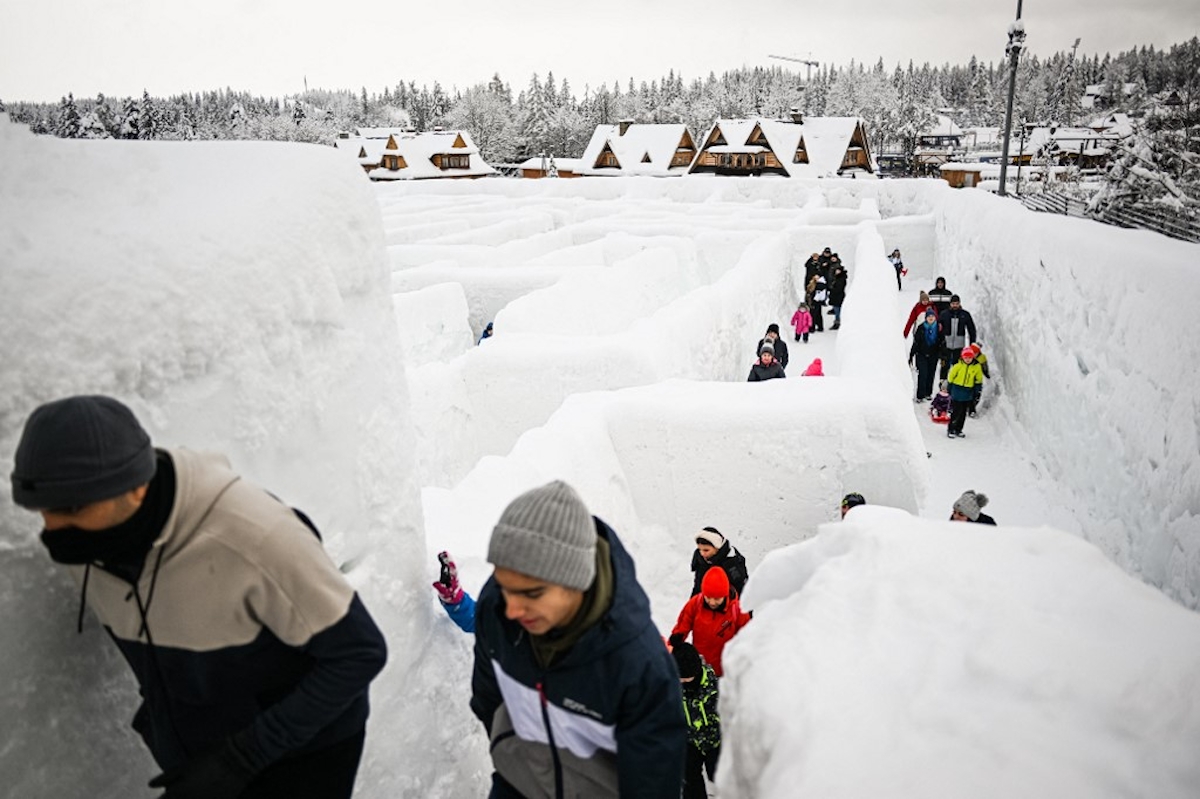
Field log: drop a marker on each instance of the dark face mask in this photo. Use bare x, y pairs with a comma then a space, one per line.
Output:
125, 543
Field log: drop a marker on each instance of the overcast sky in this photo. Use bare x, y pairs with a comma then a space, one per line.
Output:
269, 47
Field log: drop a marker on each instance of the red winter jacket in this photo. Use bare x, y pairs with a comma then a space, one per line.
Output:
710, 629
918, 311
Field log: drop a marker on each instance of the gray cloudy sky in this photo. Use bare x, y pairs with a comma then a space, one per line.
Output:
120, 47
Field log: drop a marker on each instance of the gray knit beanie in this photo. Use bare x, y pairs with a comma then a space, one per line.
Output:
80, 450
547, 533
970, 504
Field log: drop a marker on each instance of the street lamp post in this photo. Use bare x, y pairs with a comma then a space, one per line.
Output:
1016, 41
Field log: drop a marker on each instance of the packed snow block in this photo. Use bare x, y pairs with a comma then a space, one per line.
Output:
487, 394
434, 323
790, 449
235, 295
1091, 328
1032, 666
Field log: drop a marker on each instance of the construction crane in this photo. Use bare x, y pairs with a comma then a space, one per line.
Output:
805, 61
807, 78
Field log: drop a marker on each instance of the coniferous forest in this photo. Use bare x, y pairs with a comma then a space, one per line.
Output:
548, 115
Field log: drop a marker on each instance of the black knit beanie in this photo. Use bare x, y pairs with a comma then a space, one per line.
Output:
80, 450
687, 660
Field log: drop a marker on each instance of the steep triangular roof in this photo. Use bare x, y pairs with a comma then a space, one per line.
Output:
825, 141
642, 150
417, 152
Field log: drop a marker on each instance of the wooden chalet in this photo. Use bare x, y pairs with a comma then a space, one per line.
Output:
408, 155
661, 150
815, 147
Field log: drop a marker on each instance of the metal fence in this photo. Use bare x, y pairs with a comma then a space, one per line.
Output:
1159, 221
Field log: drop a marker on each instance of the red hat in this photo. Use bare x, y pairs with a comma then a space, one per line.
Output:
976, 349
968, 352
715, 584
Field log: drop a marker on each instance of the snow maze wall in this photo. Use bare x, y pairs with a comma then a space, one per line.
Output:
626, 283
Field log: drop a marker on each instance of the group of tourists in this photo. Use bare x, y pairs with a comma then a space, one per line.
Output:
945, 343
825, 279
967, 508
772, 359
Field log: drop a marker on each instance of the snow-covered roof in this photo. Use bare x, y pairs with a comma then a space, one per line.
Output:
944, 126
641, 150
826, 140
381, 133
1115, 123
567, 164
1065, 138
418, 151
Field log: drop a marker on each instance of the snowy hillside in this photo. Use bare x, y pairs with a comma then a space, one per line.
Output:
266, 301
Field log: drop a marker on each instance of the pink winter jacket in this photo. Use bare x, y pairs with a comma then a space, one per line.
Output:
802, 321
814, 369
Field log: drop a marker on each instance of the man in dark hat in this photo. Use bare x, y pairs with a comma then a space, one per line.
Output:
778, 347
252, 652
572, 682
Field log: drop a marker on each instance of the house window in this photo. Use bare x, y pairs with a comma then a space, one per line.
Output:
456, 161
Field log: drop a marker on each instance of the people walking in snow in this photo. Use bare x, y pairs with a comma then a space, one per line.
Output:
802, 320
926, 349
811, 267
700, 698
982, 360
715, 550
940, 296
851, 500
572, 682
968, 508
922, 306
458, 604
837, 294
712, 618
958, 330
252, 653
963, 379
815, 295
898, 264
814, 369
766, 367
778, 345
487, 333
939, 409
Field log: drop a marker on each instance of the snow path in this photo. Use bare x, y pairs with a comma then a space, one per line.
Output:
993, 459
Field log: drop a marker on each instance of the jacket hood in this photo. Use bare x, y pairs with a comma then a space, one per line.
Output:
200, 479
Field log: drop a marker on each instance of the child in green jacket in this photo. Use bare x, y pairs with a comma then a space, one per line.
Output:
700, 694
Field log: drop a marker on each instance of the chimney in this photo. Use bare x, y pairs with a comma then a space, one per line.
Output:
797, 117
624, 123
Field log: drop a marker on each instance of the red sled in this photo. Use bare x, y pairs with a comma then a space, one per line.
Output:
940, 418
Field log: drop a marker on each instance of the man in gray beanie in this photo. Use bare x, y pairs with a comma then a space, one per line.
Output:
252, 652
572, 682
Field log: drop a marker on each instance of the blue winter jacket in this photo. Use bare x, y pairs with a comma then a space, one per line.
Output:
605, 719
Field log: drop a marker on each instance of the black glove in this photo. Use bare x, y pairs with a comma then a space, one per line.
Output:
676, 639
222, 773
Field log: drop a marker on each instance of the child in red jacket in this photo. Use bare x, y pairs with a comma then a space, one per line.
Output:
712, 617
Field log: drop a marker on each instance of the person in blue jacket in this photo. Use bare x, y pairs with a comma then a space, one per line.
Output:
572, 682
252, 652
487, 333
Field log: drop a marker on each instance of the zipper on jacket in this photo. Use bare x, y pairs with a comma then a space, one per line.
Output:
558, 783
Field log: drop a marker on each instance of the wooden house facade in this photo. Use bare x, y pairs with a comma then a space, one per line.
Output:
660, 150
813, 147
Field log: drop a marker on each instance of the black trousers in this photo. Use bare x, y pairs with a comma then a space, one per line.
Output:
950, 356
818, 319
328, 773
695, 768
927, 364
958, 415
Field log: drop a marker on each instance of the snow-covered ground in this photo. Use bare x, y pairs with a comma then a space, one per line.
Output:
264, 300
